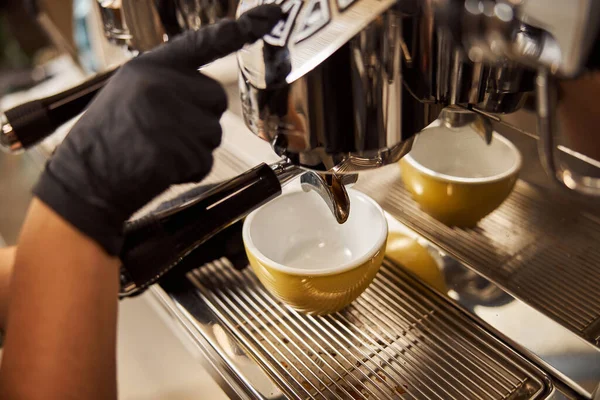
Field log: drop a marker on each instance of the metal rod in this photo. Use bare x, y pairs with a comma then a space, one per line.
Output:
329, 329
443, 322
573, 299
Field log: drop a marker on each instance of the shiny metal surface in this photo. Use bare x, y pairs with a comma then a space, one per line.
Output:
505, 87
568, 358
350, 111
392, 77
223, 362
538, 33
441, 65
330, 27
553, 34
9, 141
572, 25
397, 339
528, 234
476, 54
285, 171
539, 249
548, 132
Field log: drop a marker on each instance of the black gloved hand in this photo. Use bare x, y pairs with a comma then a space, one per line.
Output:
155, 124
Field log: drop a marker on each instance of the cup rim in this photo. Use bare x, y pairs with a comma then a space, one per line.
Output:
515, 168
381, 238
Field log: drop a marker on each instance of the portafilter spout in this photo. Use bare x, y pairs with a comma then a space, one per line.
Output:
330, 186
458, 117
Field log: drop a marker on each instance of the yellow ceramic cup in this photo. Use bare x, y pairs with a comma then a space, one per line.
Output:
309, 261
456, 177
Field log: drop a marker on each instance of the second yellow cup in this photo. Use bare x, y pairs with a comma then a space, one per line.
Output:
456, 177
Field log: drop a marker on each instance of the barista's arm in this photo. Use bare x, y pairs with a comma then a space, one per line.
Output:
61, 335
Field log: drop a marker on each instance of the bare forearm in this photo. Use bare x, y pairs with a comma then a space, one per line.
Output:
61, 330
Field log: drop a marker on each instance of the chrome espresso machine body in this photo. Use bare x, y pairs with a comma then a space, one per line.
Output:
344, 86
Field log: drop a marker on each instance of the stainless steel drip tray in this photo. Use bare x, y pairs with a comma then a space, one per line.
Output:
398, 340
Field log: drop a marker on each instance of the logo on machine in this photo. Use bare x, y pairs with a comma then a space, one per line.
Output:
315, 16
281, 33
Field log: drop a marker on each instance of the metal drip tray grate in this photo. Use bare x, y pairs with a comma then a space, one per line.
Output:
398, 340
545, 253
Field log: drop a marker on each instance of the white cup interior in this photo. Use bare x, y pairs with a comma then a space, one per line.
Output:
296, 233
462, 155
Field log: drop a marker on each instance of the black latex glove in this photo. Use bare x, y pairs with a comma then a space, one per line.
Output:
155, 124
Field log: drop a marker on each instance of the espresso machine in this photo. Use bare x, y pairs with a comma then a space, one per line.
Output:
342, 87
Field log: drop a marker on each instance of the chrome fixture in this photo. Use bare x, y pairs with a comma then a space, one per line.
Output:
350, 83
333, 97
